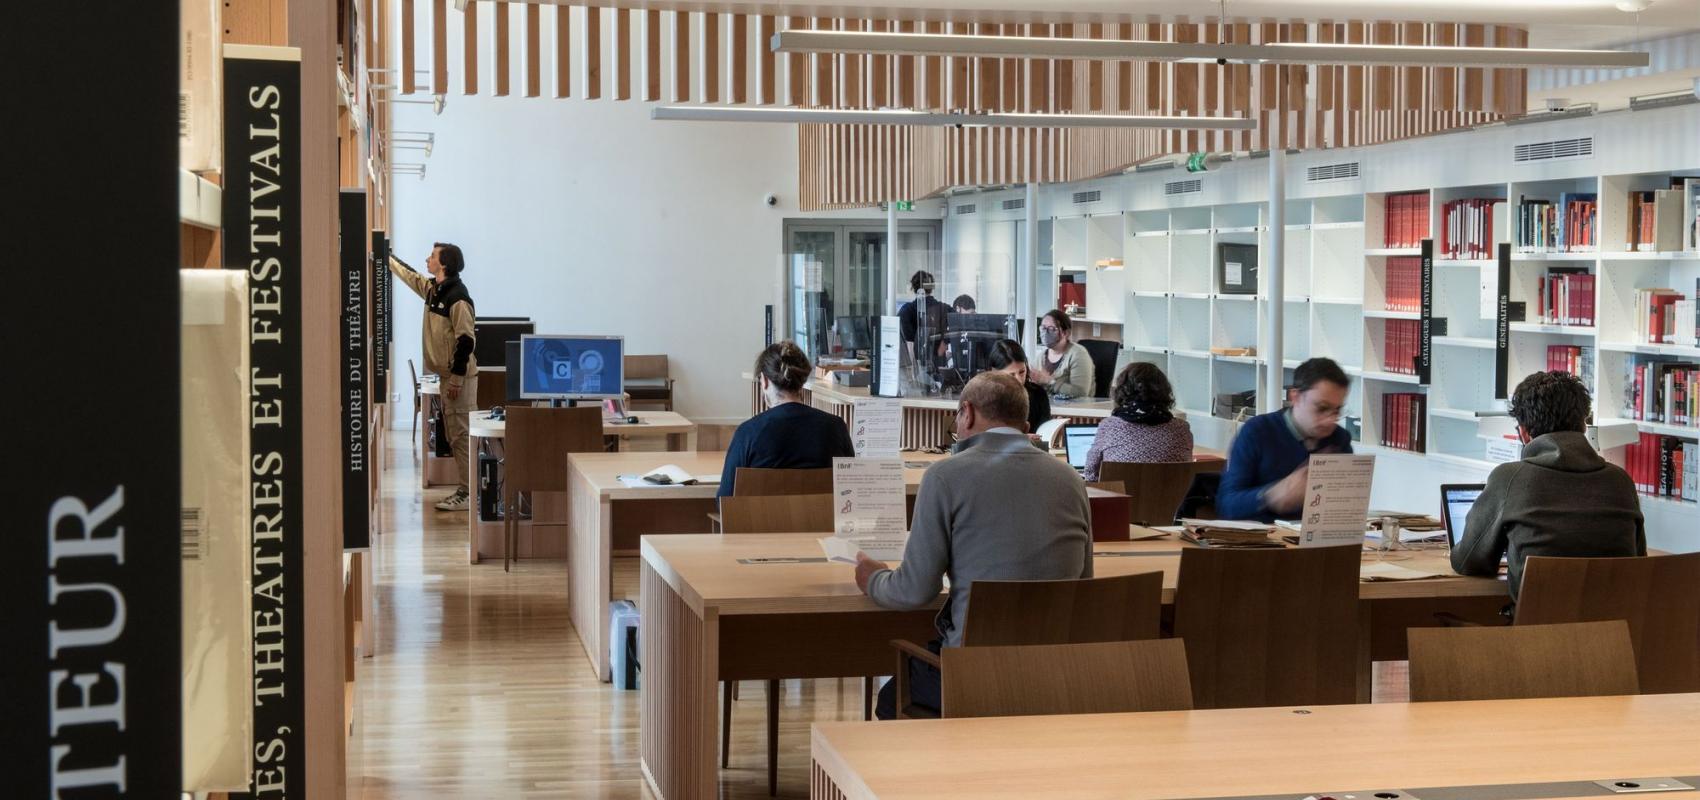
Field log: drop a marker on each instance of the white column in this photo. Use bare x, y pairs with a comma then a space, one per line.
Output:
1029, 276
1274, 269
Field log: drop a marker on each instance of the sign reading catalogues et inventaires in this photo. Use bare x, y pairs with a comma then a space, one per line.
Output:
262, 234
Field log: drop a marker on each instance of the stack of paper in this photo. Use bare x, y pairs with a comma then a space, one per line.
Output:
1227, 533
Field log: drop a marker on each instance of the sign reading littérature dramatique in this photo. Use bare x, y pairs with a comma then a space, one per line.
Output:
90, 601
262, 234
380, 317
356, 373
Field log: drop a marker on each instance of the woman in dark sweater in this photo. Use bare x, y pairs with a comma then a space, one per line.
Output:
1143, 427
1007, 356
790, 434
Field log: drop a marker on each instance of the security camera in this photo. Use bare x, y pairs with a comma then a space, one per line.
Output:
770, 199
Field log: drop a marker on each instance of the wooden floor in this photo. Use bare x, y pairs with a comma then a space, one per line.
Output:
478, 687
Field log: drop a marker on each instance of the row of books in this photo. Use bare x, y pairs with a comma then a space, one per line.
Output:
1402, 347
1665, 316
1657, 390
1467, 227
1577, 360
1404, 418
1566, 296
1655, 219
1571, 224
1407, 219
1404, 283
1664, 466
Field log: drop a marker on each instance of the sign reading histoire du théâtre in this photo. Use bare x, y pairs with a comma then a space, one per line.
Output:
262, 234
356, 373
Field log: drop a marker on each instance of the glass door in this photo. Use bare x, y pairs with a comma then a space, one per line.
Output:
838, 270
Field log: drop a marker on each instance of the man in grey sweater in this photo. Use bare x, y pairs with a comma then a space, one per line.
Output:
1561, 499
997, 509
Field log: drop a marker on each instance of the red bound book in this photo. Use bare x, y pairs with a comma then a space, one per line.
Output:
1397, 438
1592, 288
1405, 422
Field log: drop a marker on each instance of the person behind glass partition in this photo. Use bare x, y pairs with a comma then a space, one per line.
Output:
1064, 366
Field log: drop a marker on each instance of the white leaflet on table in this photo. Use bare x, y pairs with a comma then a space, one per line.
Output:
869, 505
878, 432
1336, 496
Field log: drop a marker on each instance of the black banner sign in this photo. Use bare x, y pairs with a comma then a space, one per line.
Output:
262, 234
1425, 350
91, 614
380, 317
356, 372
1502, 326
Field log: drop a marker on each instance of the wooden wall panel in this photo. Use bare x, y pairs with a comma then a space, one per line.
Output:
905, 69
503, 68
826, 78
623, 56
711, 57
797, 70
406, 74
765, 60
681, 56
932, 78
592, 53
879, 75
740, 52
533, 43
563, 51
440, 46
651, 55
469, 49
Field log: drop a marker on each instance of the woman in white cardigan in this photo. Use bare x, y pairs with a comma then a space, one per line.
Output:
1063, 367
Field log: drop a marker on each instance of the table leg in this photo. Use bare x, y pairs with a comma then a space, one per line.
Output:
590, 570
678, 691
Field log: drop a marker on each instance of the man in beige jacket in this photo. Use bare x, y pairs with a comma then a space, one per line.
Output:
447, 348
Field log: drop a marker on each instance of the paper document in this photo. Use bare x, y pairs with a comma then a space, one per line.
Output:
878, 431
675, 475
1407, 536
1383, 571
869, 505
1223, 524
1336, 499
890, 356
840, 550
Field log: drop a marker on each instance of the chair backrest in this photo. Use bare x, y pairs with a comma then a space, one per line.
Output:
776, 513
1109, 486
1659, 596
1103, 355
492, 389
414, 371
646, 366
536, 442
1269, 627
752, 481
1118, 609
1581, 659
1094, 678
1157, 489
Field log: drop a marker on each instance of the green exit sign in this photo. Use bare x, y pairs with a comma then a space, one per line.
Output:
903, 205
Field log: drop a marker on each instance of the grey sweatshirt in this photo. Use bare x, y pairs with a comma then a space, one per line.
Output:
998, 509
1562, 499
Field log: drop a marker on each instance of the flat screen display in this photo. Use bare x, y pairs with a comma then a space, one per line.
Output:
571, 367
1077, 439
1457, 500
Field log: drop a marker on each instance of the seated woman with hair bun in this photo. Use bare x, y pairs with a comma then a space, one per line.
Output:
1143, 428
790, 434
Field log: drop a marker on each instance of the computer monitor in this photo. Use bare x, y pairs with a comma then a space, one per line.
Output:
987, 323
1456, 500
854, 333
571, 367
511, 351
1077, 439
489, 334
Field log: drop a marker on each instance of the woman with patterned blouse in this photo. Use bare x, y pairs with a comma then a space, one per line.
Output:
1143, 427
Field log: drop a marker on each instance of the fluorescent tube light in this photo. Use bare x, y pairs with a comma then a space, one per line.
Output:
907, 117
933, 44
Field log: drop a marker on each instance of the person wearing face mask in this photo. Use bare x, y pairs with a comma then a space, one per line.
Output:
975, 519
1006, 356
1560, 499
1268, 463
790, 434
925, 317
1064, 365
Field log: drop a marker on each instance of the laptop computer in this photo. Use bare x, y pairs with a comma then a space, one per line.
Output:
1077, 439
1456, 500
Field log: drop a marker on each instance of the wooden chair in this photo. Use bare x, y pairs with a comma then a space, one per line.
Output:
1658, 596
418, 406
536, 444
1157, 489
1095, 678
1013, 613
751, 481
1270, 627
1581, 659
492, 389
776, 513
647, 380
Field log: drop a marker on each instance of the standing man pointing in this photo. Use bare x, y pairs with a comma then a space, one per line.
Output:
447, 348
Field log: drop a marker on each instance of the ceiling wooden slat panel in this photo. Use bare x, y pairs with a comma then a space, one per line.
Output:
592, 53
406, 74
740, 54
469, 49
503, 69
533, 43
440, 46
681, 56
563, 51
765, 61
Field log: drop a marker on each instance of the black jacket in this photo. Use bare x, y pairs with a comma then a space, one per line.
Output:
1562, 499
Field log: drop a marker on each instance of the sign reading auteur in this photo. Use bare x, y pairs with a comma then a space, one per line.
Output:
262, 234
356, 373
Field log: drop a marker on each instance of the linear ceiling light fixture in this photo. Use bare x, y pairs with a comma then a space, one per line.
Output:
934, 44
897, 116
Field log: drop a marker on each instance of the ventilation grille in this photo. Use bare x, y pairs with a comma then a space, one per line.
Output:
965, 208
1332, 172
1011, 205
1183, 187
1557, 150
1088, 197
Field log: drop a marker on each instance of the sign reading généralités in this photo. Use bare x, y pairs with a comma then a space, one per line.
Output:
262, 235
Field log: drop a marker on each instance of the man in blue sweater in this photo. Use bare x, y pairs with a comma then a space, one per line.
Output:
1267, 465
